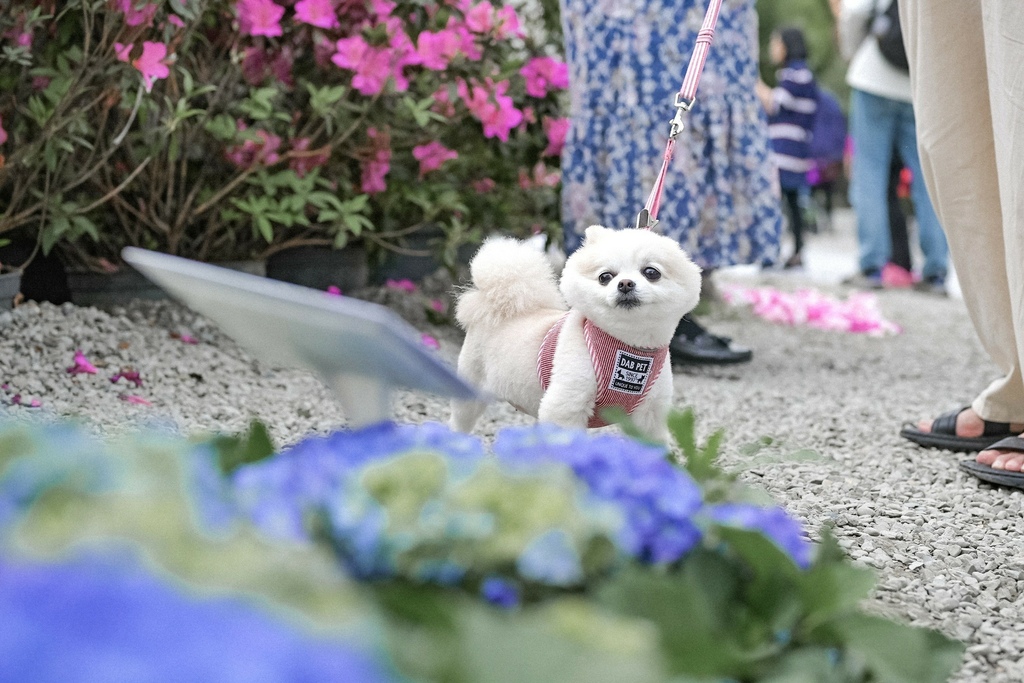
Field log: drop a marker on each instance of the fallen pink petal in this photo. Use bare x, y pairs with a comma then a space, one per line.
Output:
16, 400
132, 398
188, 339
334, 290
128, 375
430, 342
407, 286
859, 314
437, 305
81, 365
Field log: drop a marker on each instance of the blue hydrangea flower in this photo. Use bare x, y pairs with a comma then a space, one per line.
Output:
658, 500
91, 620
53, 455
550, 558
358, 532
500, 592
774, 522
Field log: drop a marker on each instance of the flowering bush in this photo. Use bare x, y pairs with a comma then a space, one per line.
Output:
560, 552
221, 129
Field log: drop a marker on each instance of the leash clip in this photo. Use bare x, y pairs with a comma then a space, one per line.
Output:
644, 220
682, 106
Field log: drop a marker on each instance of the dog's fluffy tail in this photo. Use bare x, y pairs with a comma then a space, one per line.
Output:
510, 278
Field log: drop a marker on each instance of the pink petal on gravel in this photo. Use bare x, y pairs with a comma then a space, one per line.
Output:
188, 339
82, 365
407, 286
127, 374
132, 398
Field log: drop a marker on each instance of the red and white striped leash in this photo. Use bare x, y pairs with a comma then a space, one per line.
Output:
648, 216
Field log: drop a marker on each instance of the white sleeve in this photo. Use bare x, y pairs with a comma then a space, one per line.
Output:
853, 24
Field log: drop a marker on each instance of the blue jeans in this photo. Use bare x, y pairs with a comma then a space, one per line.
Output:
877, 124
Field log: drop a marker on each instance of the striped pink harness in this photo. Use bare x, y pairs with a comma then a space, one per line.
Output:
624, 373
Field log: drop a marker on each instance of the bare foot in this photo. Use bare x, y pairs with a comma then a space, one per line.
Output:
1011, 461
968, 423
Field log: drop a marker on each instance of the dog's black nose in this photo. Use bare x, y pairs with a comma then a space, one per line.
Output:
626, 286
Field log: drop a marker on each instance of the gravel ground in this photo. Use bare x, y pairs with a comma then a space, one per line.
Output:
945, 547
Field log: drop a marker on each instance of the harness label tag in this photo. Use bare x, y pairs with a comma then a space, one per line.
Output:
630, 372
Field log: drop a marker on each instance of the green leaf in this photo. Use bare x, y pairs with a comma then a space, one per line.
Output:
832, 586
894, 653
695, 609
569, 641
235, 451
266, 229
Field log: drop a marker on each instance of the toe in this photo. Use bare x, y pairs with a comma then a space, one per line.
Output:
1010, 461
988, 457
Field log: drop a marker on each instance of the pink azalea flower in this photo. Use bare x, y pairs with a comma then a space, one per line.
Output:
372, 65
407, 286
176, 20
303, 161
507, 24
133, 16
81, 365
3, 133
469, 46
129, 375
430, 342
494, 109
376, 166
150, 63
257, 65
259, 17
334, 290
382, 8
480, 18
443, 103
319, 13
349, 52
432, 155
123, 52
556, 130
436, 50
543, 74
264, 150
132, 398
484, 185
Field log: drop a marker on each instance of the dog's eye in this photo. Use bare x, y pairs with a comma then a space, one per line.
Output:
652, 274
605, 277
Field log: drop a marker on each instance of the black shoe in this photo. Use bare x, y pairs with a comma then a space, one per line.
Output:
708, 349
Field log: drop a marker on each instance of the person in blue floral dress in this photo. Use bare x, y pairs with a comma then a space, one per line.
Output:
626, 62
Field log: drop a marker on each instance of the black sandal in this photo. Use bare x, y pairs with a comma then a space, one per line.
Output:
992, 475
943, 434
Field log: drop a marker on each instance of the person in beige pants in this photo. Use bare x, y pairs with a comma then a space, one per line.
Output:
967, 80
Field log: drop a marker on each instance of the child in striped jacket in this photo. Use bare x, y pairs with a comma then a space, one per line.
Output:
791, 106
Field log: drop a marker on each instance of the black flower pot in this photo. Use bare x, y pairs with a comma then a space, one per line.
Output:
10, 285
321, 267
398, 266
106, 290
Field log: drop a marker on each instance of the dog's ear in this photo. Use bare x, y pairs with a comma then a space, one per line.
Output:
594, 233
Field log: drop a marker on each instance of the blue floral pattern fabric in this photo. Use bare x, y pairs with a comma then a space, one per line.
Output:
627, 59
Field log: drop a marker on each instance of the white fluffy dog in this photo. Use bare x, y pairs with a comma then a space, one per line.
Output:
564, 352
